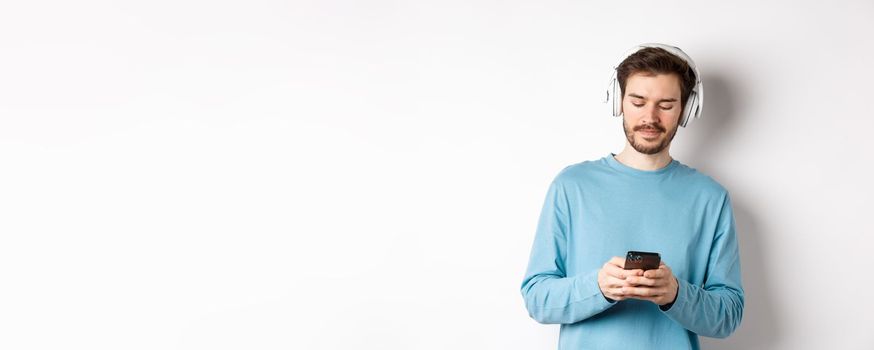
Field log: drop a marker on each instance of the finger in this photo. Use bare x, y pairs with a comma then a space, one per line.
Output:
613, 282
619, 292
635, 272
617, 261
660, 283
623, 273
639, 291
615, 271
610, 269
651, 274
610, 293
657, 273
641, 281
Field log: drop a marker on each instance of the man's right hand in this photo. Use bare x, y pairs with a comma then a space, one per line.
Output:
611, 278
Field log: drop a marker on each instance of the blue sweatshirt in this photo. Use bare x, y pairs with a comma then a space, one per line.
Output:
596, 210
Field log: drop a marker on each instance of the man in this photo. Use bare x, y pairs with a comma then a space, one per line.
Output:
638, 200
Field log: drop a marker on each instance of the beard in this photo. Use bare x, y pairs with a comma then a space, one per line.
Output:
644, 146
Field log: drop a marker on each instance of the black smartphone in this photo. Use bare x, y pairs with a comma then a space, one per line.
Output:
642, 260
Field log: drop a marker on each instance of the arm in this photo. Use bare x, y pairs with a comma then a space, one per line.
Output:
716, 308
550, 295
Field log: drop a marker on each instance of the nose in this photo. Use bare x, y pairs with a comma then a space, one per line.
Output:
651, 114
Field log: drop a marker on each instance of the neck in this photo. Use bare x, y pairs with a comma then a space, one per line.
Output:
632, 158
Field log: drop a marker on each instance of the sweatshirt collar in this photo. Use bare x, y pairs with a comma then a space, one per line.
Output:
615, 164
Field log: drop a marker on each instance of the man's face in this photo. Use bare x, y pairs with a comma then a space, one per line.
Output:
651, 106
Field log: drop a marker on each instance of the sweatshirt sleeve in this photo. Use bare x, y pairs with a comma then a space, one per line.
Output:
716, 308
550, 295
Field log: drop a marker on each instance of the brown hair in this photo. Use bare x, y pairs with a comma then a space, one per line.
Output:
658, 61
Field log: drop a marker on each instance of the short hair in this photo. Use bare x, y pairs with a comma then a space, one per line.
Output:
656, 60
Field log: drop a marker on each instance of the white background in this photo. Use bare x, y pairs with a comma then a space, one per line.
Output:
347, 174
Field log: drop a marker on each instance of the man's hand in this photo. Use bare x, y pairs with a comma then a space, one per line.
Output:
612, 278
658, 286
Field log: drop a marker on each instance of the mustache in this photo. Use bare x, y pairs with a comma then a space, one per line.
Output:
656, 127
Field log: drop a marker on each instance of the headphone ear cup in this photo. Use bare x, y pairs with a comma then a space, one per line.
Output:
610, 97
691, 108
617, 98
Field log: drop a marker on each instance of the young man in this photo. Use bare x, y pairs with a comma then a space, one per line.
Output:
638, 200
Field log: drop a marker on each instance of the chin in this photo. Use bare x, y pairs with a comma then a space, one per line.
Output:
649, 147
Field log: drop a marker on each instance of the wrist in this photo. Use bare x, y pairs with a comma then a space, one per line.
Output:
676, 289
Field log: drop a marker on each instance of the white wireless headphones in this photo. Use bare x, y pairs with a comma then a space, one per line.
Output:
694, 104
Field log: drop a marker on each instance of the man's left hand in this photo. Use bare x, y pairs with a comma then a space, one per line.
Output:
658, 286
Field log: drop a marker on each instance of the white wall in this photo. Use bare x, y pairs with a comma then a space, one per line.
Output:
346, 174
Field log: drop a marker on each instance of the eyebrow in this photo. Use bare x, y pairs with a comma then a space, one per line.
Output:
660, 101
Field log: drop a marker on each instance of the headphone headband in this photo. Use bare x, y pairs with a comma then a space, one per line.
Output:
694, 103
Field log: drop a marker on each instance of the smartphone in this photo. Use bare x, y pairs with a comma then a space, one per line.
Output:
642, 260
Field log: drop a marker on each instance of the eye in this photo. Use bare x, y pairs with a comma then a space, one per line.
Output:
637, 105
667, 108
